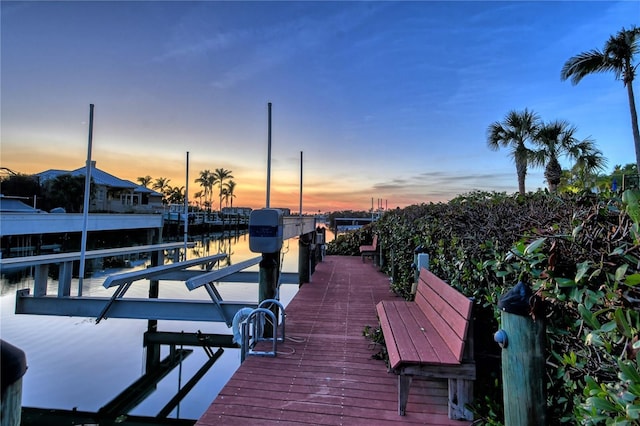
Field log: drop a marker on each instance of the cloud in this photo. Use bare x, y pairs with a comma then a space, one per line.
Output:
265, 38
443, 185
209, 44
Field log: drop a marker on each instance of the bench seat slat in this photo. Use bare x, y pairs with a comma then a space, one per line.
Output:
410, 341
385, 325
457, 301
447, 309
414, 341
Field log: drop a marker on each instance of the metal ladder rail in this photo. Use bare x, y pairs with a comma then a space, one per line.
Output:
252, 327
282, 316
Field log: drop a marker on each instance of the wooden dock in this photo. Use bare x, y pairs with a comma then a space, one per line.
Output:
324, 373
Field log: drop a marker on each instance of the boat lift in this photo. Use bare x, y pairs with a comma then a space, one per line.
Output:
117, 306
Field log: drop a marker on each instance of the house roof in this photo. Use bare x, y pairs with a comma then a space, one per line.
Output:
100, 177
8, 204
103, 178
149, 191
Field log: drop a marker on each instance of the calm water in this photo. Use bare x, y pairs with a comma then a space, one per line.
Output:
73, 362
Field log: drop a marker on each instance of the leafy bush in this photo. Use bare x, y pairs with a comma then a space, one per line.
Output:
580, 254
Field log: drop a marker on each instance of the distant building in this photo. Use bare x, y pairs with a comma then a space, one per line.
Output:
236, 211
285, 211
112, 194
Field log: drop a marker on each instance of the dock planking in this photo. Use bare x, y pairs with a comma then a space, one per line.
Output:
324, 374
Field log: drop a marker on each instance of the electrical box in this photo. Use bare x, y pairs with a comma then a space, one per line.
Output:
265, 230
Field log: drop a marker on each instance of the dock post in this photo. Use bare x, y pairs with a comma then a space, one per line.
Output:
304, 256
313, 253
523, 383
269, 274
320, 243
64, 279
40, 278
153, 349
14, 366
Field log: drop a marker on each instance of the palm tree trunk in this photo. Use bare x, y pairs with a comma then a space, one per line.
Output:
553, 174
521, 169
634, 123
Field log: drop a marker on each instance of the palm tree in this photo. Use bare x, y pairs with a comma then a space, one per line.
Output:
514, 131
229, 189
161, 184
175, 194
553, 139
589, 161
617, 56
198, 195
144, 180
220, 175
206, 181
557, 139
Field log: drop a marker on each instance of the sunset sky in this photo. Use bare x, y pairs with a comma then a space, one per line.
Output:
387, 100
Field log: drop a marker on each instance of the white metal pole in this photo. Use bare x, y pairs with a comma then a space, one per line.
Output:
301, 157
85, 209
186, 209
269, 157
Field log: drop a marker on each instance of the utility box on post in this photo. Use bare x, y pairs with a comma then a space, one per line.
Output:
265, 230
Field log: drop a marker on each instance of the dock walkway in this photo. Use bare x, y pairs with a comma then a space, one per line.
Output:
324, 373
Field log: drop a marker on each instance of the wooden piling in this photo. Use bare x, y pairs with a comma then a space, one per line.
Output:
153, 349
14, 366
304, 253
269, 272
523, 382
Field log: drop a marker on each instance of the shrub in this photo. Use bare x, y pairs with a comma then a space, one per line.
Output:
581, 255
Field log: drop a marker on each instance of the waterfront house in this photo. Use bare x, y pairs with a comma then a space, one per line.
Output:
112, 194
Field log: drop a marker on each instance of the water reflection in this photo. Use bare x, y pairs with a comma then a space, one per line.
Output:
75, 363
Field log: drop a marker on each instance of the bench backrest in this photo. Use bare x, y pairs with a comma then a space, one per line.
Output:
448, 310
375, 242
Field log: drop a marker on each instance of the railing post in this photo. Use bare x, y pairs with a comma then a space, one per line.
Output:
320, 243
523, 367
420, 260
64, 279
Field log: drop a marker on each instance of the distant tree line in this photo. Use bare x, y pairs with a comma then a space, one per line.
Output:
65, 191
207, 180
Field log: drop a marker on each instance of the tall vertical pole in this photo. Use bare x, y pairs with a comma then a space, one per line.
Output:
85, 209
301, 190
372, 211
186, 209
304, 242
269, 157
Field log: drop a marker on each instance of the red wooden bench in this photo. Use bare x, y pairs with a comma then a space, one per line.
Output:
431, 337
370, 250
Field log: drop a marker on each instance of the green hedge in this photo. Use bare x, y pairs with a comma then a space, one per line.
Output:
580, 254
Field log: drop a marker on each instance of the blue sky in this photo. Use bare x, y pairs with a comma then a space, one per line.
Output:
387, 100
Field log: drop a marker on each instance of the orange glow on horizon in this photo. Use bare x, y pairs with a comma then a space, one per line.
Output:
250, 190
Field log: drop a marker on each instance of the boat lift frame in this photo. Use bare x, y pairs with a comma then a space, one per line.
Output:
117, 306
